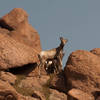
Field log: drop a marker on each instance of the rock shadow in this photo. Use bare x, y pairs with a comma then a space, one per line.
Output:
23, 70
5, 25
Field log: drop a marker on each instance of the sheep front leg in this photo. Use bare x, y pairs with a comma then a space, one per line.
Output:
55, 66
39, 70
59, 63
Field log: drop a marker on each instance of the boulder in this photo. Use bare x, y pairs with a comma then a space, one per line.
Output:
7, 92
26, 34
14, 54
34, 83
56, 95
19, 42
38, 95
17, 20
76, 94
82, 71
14, 18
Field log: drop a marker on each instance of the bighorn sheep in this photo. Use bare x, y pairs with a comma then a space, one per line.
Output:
56, 53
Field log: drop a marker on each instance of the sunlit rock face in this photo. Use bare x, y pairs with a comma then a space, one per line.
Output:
19, 41
83, 71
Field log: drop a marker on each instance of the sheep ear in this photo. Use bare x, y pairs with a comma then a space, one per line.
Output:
61, 38
66, 40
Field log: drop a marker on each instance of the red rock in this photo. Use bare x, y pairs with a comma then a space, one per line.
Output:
14, 18
56, 95
39, 95
6, 86
7, 91
34, 82
14, 54
6, 76
96, 51
26, 34
19, 42
17, 20
21, 97
83, 71
36, 85
76, 94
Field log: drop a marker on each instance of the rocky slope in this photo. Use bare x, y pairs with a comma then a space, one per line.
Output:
19, 46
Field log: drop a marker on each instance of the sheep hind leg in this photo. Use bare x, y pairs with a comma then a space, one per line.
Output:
60, 67
39, 66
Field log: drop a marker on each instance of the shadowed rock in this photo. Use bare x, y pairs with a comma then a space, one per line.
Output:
58, 82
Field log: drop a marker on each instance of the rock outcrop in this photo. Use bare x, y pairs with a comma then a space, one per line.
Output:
19, 42
83, 71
